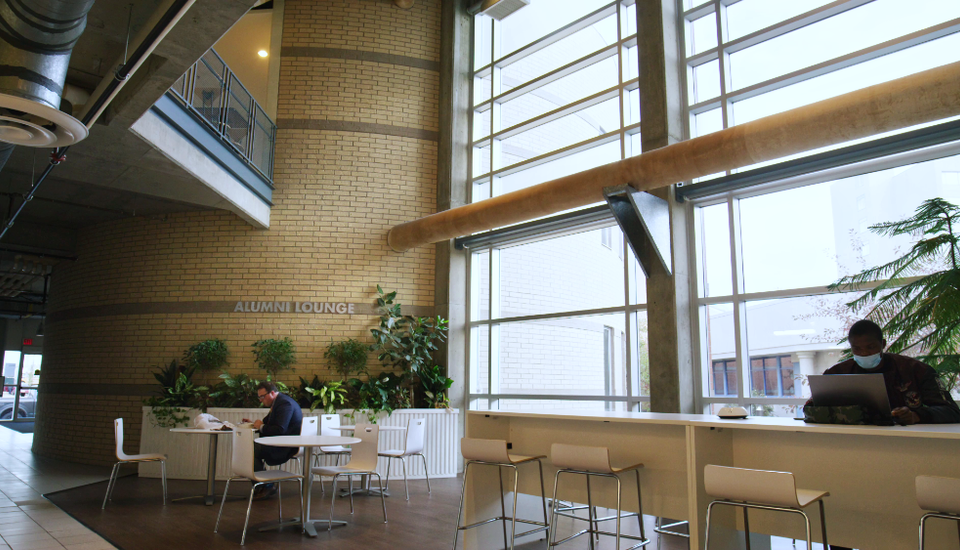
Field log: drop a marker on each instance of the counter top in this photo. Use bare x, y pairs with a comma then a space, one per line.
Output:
928, 431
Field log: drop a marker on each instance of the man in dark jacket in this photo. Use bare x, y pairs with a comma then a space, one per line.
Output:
284, 418
915, 393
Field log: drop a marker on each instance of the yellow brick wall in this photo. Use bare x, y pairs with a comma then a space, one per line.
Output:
337, 194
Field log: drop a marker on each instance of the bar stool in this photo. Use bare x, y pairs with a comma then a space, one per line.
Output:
593, 462
940, 494
760, 489
493, 452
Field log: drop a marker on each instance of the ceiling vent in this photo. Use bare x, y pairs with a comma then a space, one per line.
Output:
36, 39
499, 9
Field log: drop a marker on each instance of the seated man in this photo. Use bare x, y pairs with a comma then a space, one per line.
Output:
915, 393
284, 418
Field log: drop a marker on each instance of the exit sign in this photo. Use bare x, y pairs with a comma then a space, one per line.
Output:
28, 341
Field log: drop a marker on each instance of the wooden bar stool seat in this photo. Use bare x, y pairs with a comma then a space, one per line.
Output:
941, 495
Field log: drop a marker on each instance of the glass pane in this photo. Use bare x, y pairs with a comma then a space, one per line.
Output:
481, 124
716, 328
629, 24
889, 67
570, 164
11, 363
631, 65
479, 359
574, 128
31, 370
638, 280
482, 33
567, 356
558, 54
641, 385
539, 19
705, 83
583, 83
702, 34
481, 159
850, 31
557, 404
208, 88
706, 123
783, 249
481, 89
575, 272
747, 16
480, 285
713, 240
631, 106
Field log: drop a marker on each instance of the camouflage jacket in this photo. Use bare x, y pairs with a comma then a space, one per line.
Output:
912, 384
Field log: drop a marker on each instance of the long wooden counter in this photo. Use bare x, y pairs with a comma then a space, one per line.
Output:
870, 471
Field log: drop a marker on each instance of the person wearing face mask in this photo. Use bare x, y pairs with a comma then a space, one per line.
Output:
914, 389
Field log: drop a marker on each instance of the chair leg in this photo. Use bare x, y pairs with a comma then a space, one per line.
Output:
383, 501
643, 534
706, 529
746, 528
350, 490
463, 491
389, 465
406, 489
333, 500
590, 514
243, 537
503, 508
552, 531
425, 472
619, 494
113, 476
279, 502
806, 520
163, 476
543, 495
513, 520
223, 501
923, 522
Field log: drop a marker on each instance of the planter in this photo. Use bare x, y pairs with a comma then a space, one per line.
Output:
187, 453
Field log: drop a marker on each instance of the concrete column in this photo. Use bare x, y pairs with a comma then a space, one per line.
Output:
668, 310
452, 189
805, 360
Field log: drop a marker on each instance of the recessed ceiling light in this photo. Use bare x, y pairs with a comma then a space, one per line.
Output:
262, 53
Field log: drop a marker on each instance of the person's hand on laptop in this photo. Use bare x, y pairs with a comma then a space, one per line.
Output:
905, 416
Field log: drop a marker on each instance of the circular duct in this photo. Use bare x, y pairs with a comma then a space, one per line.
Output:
33, 124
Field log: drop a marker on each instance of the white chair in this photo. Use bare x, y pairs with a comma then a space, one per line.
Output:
363, 462
493, 452
123, 458
942, 496
760, 489
412, 446
243, 469
308, 427
592, 462
328, 426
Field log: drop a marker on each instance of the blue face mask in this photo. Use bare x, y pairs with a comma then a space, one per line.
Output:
868, 361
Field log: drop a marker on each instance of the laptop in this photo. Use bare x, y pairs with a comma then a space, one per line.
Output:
838, 390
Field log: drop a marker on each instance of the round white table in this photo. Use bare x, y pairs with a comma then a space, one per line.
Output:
308, 442
211, 460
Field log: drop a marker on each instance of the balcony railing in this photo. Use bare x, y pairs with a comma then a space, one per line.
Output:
211, 91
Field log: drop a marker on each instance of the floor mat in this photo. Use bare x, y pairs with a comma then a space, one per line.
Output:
22, 427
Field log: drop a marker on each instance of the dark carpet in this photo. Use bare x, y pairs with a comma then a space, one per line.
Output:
135, 519
22, 427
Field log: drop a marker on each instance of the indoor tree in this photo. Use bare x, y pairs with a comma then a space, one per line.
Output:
916, 297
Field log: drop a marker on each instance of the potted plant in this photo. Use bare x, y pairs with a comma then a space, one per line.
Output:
177, 392
328, 396
921, 314
348, 357
435, 385
274, 355
207, 355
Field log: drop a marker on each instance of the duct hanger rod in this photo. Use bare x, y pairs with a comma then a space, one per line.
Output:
147, 45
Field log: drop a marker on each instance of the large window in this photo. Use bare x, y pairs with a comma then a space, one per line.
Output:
765, 255
557, 320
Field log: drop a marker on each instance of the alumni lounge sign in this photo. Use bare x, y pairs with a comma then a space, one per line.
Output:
340, 308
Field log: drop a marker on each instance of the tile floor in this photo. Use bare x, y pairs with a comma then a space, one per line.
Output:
27, 520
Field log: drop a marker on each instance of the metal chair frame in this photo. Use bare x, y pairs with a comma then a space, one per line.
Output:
112, 483
593, 522
226, 490
746, 520
923, 521
541, 526
662, 529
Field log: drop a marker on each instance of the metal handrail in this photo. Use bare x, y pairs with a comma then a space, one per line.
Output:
222, 102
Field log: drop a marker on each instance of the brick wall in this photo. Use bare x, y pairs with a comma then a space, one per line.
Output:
338, 192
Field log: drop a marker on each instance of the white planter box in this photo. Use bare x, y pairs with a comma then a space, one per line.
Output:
187, 453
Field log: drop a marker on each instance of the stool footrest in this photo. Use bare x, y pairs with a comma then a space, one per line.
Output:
562, 512
664, 529
643, 541
541, 524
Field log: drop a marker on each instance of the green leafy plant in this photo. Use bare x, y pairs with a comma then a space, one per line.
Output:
332, 393
383, 393
435, 385
916, 297
305, 397
348, 356
274, 355
207, 355
402, 341
177, 392
239, 391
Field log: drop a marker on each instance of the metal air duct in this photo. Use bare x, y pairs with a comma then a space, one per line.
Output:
36, 39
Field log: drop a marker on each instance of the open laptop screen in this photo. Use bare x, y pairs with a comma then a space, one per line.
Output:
838, 390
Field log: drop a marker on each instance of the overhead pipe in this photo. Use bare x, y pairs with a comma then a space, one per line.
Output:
108, 89
916, 99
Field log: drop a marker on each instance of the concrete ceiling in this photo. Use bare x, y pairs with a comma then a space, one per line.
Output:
113, 174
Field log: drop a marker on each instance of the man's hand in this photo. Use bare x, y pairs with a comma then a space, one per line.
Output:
246, 421
905, 416
258, 423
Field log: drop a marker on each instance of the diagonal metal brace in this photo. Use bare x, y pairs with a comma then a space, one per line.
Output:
645, 221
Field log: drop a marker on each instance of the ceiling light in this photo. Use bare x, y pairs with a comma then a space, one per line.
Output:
262, 53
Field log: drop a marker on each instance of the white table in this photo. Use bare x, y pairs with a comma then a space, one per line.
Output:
308, 442
211, 460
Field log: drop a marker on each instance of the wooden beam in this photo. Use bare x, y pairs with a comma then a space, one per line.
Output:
923, 97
